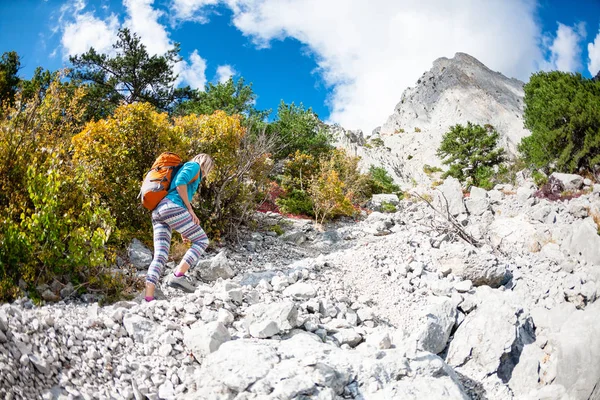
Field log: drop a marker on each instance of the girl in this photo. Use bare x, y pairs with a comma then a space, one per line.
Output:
175, 212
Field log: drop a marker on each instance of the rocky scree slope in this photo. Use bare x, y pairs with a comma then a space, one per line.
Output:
454, 91
396, 306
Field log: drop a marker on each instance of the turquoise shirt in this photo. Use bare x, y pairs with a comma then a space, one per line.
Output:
185, 174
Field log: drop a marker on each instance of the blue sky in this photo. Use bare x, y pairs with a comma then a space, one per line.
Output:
349, 60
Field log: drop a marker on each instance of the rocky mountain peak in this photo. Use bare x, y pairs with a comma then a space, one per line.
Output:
454, 91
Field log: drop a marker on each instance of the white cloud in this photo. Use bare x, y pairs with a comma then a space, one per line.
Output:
88, 31
82, 30
194, 74
369, 52
224, 72
594, 55
142, 19
565, 49
188, 9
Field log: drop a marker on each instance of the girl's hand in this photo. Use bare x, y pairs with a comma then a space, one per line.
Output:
195, 219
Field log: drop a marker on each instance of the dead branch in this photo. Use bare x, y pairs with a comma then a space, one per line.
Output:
454, 225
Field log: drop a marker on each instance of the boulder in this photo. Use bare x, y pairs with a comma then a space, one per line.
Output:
477, 206
240, 363
139, 255
517, 233
205, 339
266, 320
215, 268
449, 196
469, 263
463, 286
434, 334
300, 291
139, 328
576, 352
525, 376
348, 336
67, 290
297, 237
380, 340
524, 194
254, 278
50, 296
569, 181
583, 242
330, 237
491, 338
477, 193
495, 196
430, 378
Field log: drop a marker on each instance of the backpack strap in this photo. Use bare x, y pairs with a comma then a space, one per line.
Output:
198, 175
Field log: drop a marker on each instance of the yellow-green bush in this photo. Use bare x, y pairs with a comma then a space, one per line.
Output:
324, 188
51, 226
357, 186
298, 172
34, 128
327, 193
116, 153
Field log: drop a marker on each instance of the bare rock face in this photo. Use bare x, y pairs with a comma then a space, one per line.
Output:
454, 91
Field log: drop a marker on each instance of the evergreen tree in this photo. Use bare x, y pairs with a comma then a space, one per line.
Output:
9, 81
130, 75
471, 153
230, 97
562, 111
300, 129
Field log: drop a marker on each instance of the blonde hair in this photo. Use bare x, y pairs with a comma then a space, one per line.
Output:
205, 161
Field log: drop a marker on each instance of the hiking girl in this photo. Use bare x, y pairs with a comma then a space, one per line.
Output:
175, 212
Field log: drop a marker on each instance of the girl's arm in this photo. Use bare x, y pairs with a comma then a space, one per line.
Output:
182, 190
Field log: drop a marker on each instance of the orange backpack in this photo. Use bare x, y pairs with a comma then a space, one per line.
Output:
158, 180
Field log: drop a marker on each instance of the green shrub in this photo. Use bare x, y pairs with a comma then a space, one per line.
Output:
471, 153
357, 186
377, 142
507, 171
63, 234
381, 181
118, 152
388, 207
417, 130
483, 177
299, 129
399, 130
428, 169
539, 178
277, 229
239, 180
297, 202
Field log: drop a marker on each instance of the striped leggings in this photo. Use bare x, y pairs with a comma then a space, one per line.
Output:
166, 217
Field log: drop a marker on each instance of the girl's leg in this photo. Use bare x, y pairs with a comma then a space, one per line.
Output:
180, 220
162, 243
199, 244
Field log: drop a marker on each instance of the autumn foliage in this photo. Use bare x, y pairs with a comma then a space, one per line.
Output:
52, 224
